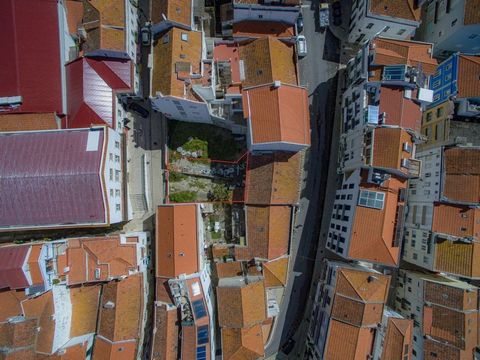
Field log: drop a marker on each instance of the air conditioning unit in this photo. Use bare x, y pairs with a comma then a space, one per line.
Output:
277, 84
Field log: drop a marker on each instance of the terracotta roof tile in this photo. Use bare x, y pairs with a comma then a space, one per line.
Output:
74, 10
243, 344
277, 114
450, 296
268, 231
456, 257
75, 352
472, 12
404, 9
229, 269
176, 239
266, 60
468, 69
461, 177
106, 350
179, 11
42, 308
257, 29
23, 354
163, 291
109, 33
357, 284
388, 148
273, 178
399, 111
165, 338
374, 229
85, 302
404, 52
398, 334
20, 334
169, 50
108, 254
459, 221
346, 341
356, 312
275, 272
441, 351
121, 322
33, 264
241, 306
28, 122
10, 300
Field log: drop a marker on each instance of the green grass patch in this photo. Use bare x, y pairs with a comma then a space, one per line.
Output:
215, 235
183, 197
176, 176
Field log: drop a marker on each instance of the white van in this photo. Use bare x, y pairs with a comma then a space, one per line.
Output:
301, 46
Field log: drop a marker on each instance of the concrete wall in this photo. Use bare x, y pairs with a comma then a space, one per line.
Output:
113, 176
182, 109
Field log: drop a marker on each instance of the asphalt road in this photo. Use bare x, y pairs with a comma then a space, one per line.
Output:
318, 73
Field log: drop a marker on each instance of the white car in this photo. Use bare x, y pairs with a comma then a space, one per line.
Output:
301, 46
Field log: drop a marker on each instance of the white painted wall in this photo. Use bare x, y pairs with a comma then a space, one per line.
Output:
113, 175
62, 316
182, 109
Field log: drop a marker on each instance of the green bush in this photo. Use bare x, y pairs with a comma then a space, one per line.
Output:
175, 176
183, 197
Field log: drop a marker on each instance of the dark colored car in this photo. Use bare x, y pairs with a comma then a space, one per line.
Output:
337, 9
139, 109
288, 346
300, 24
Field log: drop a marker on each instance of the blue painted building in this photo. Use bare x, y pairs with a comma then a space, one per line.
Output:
444, 81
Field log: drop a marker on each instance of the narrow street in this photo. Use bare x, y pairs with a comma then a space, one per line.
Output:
318, 73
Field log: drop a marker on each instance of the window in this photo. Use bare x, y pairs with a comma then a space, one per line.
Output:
429, 116
415, 256
473, 36
372, 199
199, 309
369, 26
111, 156
117, 193
111, 192
166, 39
439, 112
201, 353
454, 22
111, 174
401, 31
117, 158
202, 335
386, 28
351, 186
117, 144
117, 207
117, 175
184, 37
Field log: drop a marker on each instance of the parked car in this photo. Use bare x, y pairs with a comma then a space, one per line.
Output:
337, 13
324, 15
300, 23
301, 46
146, 36
139, 109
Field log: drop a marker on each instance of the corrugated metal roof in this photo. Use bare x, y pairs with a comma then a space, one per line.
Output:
11, 273
49, 179
91, 87
30, 61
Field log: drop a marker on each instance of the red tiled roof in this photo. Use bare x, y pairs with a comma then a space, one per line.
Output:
106, 350
468, 76
92, 85
30, 62
460, 221
404, 9
346, 341
34, 266
398, 337
107, 254
176, 239
277, 114
461, 177
21, 334
255, 29
245, 344
42, 184
10, 300
165, 338
399, 110
11, 267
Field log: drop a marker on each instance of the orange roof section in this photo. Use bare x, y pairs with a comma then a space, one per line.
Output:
404, 9
10, 300
388, 148
85, 301
172, 53
268, 59
122, 321
33, 264
28, 122
257, 29
400, 111
468, 69
268, 231
364, 286
15, 335
398, 52
275, 272
461, 177
399, 333
229, 269
179, 11
277, 114
245, 344
346, 341
241, 306
471, 12
373, 230
457, 257
106, 350
176, 240
454, 220
273, 179
107, 254
74, 10
165, 338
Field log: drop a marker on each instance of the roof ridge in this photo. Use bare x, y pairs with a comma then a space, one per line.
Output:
353, 286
